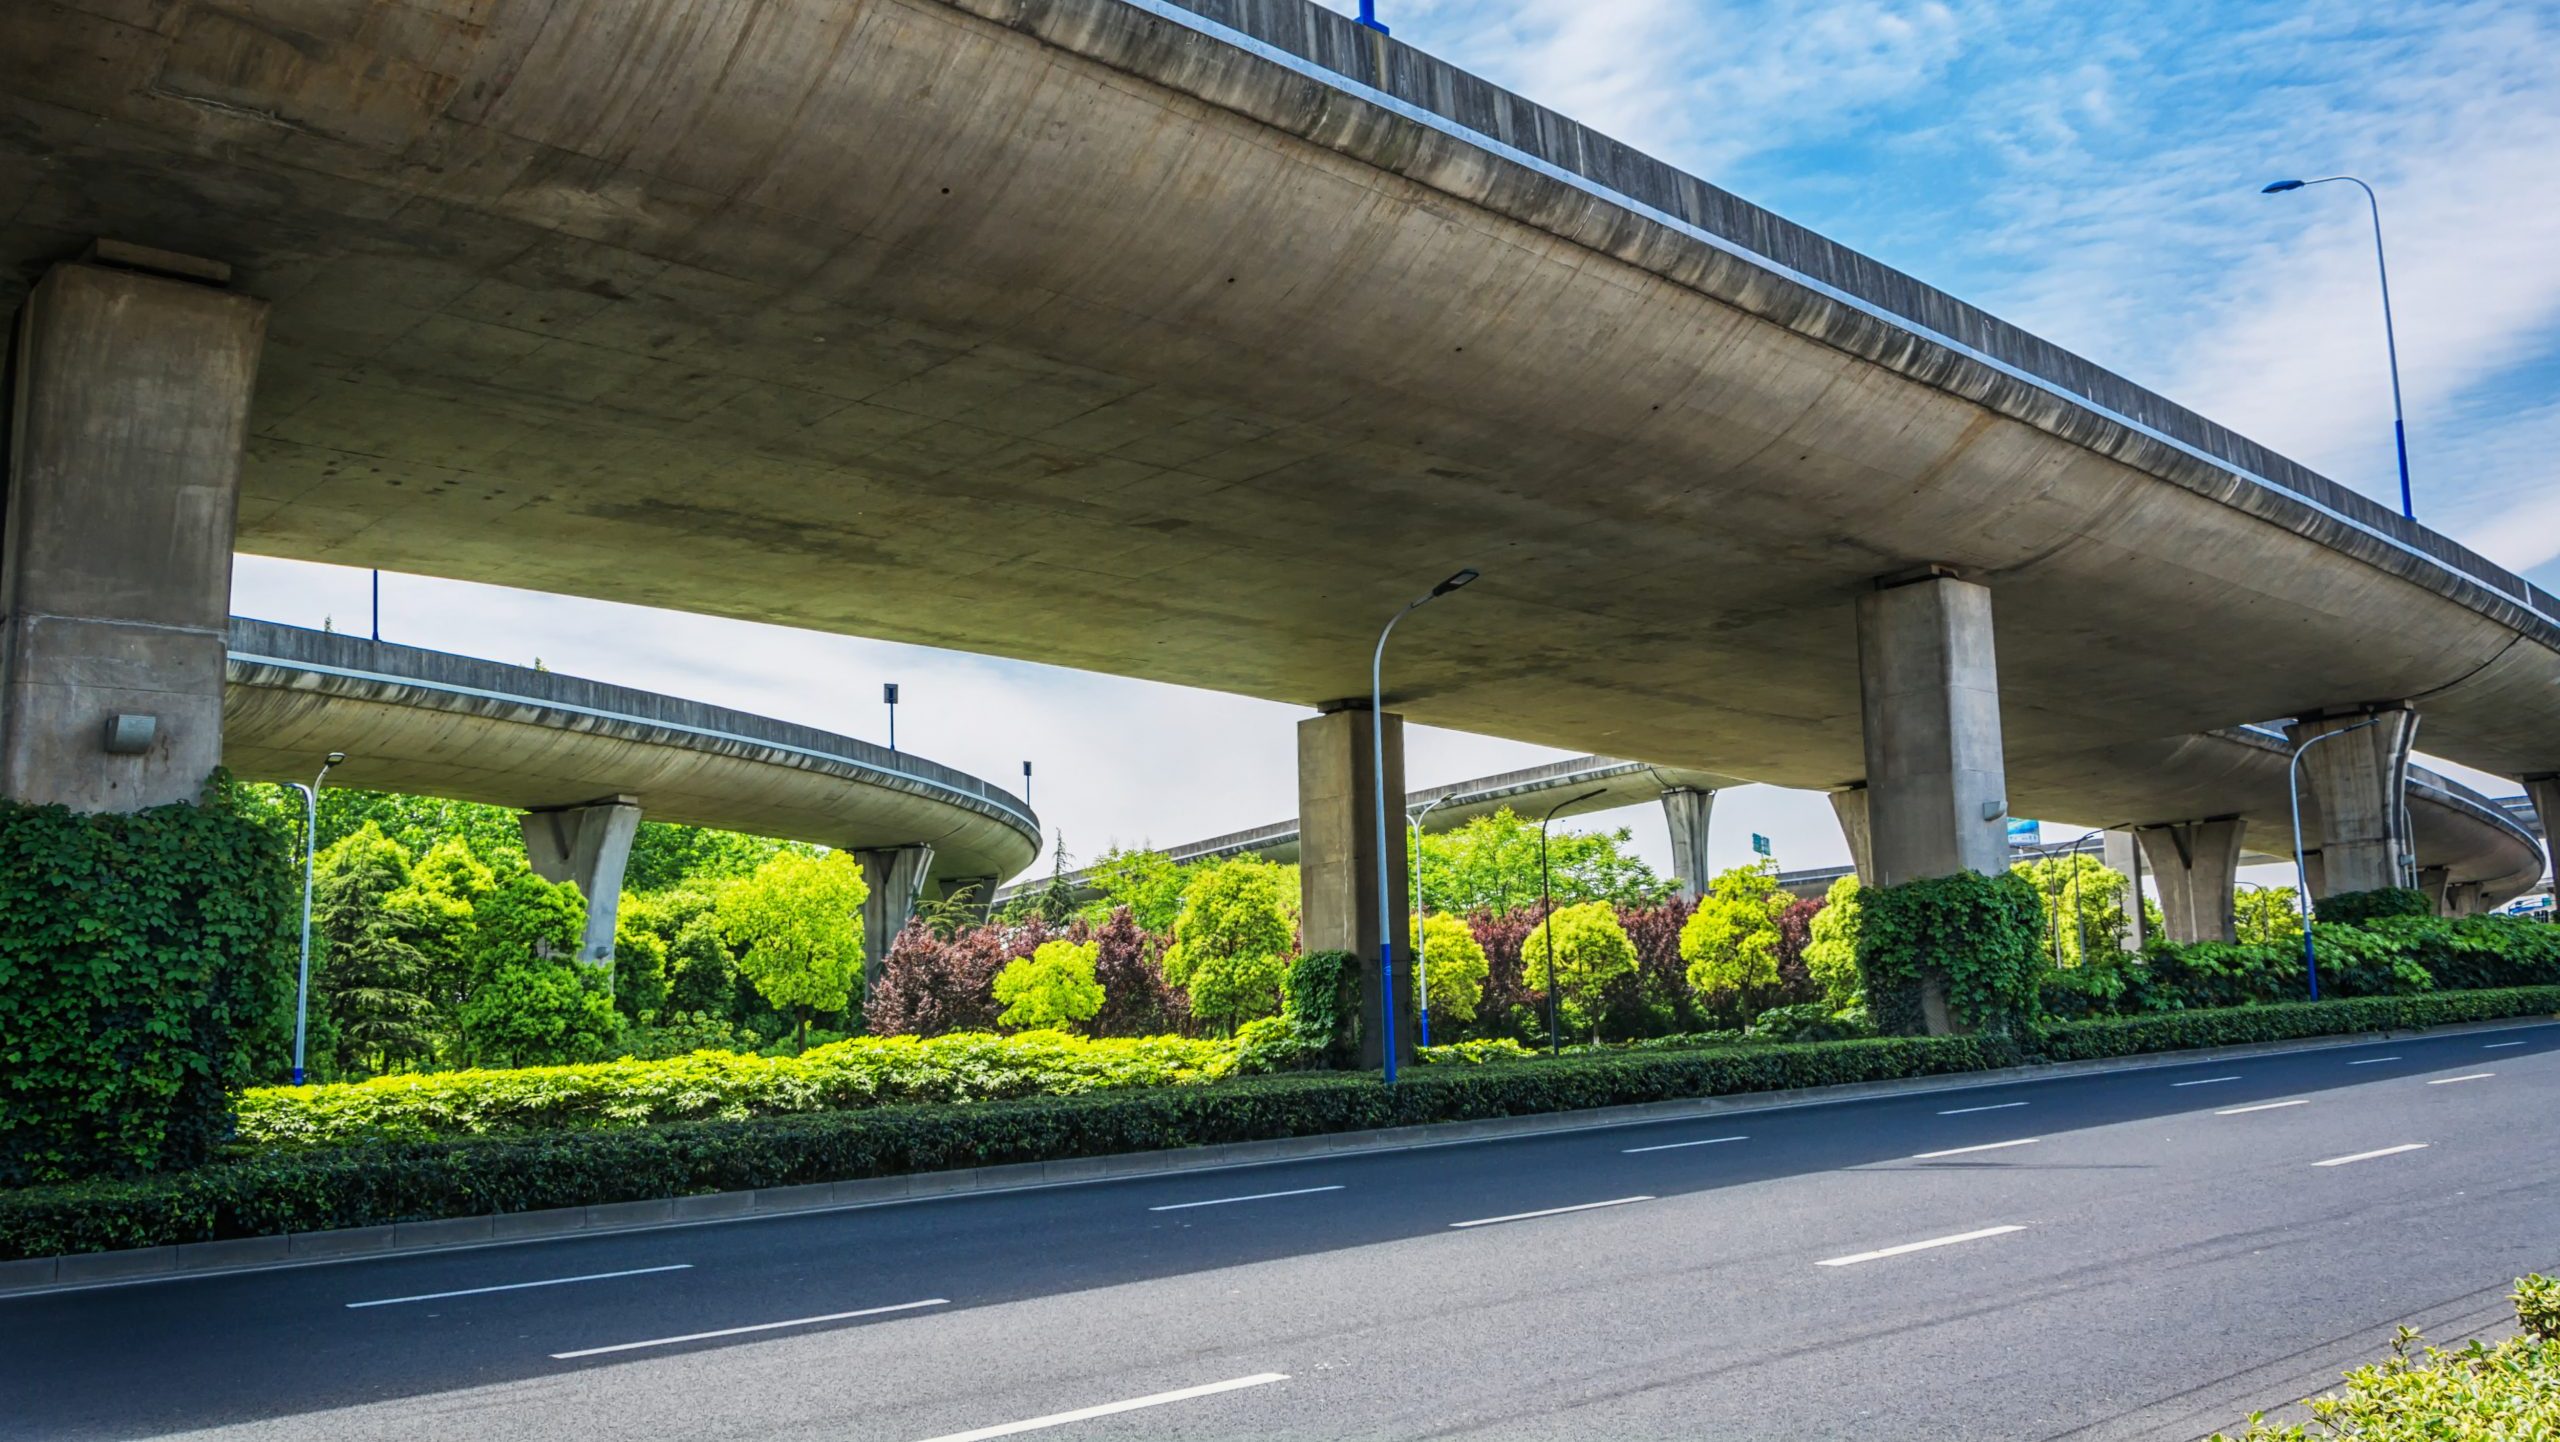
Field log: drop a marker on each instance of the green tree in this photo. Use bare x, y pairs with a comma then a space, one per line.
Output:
639, 971
1149, 883
665, 856
368, 977
521, 920
1051, 988
1455, 963
2083, 902
1232, 944
1591, 951
796, 926
1491, 864
1731, 941
1832, 953
438, 908
2267, 916
540, 1012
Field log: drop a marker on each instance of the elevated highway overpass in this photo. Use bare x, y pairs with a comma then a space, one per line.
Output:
2473, 853
1176, 340
585, 761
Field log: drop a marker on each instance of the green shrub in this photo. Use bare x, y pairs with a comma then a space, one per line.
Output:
1051, 988
1730, 941
1473, 1053
1455, 965
2355, 908
2231, 1026
1978, 936
2537, 1300
1231, 947
147, 968
2477, 1393
1806, 1021
855, 1073
1831, 950
1590, 950
1322, 1007
1269, 1044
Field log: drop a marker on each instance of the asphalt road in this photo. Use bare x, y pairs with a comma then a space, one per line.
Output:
2144, 1254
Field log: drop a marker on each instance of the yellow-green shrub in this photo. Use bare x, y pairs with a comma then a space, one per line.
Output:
861, 1072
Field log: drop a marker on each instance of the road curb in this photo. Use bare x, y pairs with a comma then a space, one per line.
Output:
301, 1249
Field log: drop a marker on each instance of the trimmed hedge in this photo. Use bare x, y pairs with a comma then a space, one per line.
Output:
369, 1184
861, 1072
2233, 1026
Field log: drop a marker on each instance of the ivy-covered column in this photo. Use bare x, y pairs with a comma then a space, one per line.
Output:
133, 373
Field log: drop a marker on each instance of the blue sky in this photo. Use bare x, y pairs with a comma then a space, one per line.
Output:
2088, 171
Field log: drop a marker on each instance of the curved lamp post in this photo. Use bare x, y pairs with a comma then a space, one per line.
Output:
1387, 899
310, 850
1547, 922
2390, 342
1421, 953
2302, 873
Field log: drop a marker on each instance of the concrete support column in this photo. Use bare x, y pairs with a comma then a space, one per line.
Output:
2196, 865
1850, 805
1687, 809
1937, 798
125, 430
2545, 795
2435, 881
1338, 862
2361, 783
588, 845
2124, 854
896, 877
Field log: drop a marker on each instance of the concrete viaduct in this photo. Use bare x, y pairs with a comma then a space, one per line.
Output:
585, 761
1184, 339
2472, 852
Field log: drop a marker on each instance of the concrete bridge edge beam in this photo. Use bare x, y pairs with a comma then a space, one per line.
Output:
1688, 810
2196, 866
1338, 863
895, 877
127, 425
2361, 784
588, 845
2545, 792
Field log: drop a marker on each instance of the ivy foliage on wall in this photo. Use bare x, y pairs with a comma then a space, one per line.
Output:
146, 973
1981, 937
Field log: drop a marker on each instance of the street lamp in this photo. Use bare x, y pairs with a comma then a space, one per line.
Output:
1369, 16
1421, 954
2301, 872
1547, 921
1387, 898
889, 698
2390, 342
310, 849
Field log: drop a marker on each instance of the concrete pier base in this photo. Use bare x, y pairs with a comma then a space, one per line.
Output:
125, 429
588, 845
1338, 863
1929, 686
2196, 866
2360, 784
896, 877
1688, 809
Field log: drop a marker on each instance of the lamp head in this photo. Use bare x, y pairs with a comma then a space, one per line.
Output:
337, 756
2281, 186
1464, 577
